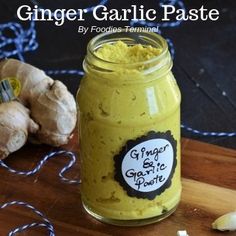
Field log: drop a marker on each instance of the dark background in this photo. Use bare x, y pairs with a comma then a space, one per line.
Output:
205, 55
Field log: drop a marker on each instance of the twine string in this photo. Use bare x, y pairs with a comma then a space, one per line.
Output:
21, 41
42, 162
45, 222
207, 133
65, 72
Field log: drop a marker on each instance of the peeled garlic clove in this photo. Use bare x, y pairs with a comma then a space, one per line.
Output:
225, 222
182, 233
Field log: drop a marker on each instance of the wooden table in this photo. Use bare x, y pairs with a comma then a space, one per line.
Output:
209, 190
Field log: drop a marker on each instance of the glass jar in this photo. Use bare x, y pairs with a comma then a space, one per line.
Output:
129, 132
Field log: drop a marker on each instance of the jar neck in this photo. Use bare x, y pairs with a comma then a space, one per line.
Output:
158, 65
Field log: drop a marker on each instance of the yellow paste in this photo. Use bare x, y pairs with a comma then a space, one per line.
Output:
122, 53
113, 111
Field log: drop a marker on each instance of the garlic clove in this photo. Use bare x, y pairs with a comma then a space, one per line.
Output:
225, 222
182, 233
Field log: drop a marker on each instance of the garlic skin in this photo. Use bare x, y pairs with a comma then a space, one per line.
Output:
225, 222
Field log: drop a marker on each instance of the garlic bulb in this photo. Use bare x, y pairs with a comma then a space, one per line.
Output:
225, 222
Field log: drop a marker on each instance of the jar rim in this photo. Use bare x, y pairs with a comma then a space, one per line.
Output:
93, 45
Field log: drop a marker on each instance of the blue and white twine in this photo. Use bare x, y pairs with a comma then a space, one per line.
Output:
24, 40
42, 162
65, 72
208, 134
46, 223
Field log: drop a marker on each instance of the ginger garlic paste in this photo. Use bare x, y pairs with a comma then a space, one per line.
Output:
129, 129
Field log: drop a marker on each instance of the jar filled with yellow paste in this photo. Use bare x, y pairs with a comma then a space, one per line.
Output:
129, 129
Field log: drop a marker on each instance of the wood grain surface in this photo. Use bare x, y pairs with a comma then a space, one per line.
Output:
209, 190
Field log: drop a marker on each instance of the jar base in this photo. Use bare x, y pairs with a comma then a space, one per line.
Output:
130, 223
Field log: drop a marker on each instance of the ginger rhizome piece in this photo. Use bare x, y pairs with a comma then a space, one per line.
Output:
15, 124
52, 107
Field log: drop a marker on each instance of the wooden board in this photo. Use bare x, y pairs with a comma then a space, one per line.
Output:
209, 190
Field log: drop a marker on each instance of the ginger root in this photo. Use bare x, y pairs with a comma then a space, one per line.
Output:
52, 109
15, 124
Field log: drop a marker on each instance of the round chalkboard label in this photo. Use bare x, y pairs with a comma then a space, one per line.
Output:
145, 166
